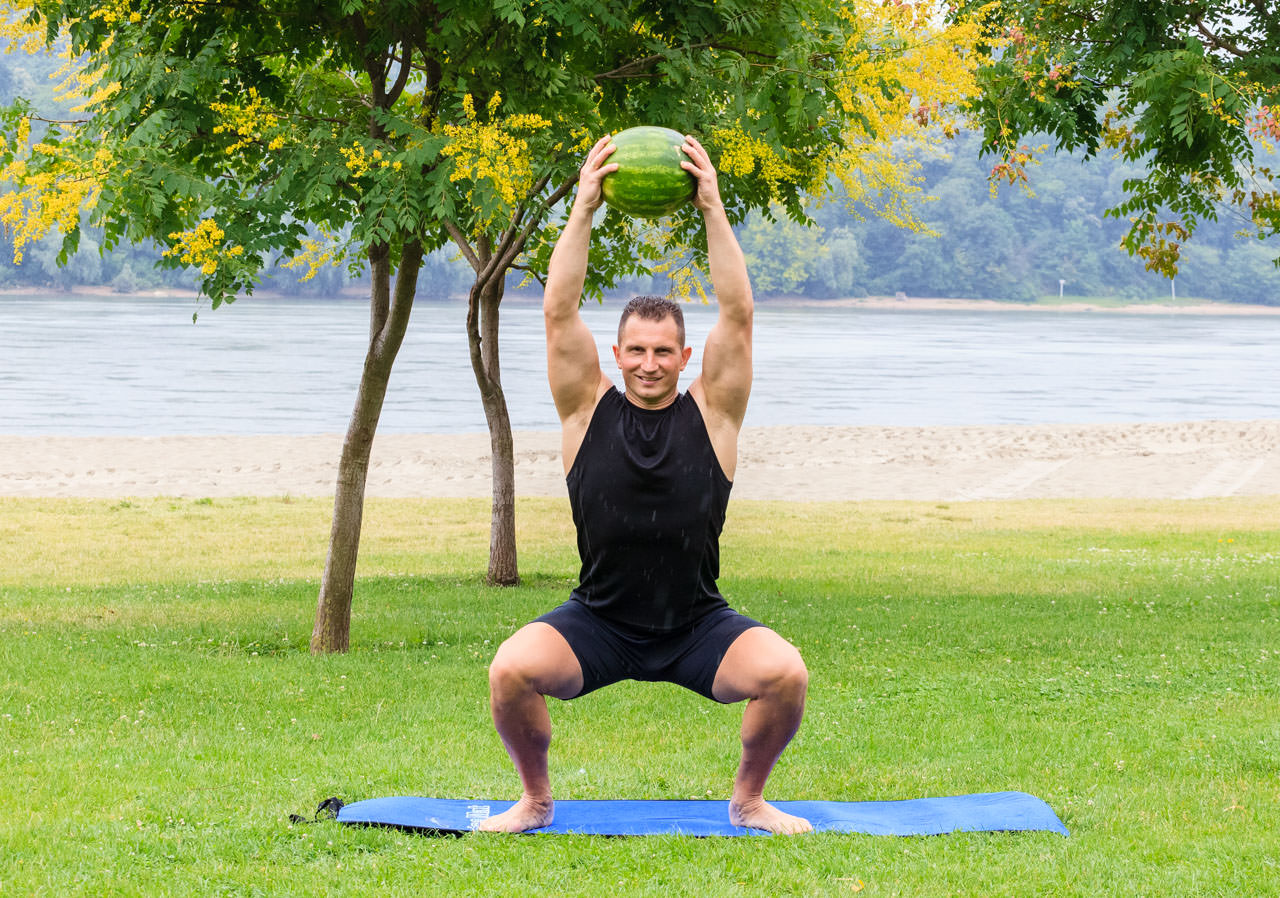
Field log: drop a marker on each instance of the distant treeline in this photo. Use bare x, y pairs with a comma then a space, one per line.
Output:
1016, 246
1013, 246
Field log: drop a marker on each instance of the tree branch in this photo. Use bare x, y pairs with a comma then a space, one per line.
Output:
533, 273
488, 263
59, 121
403, 77
379, 292
402, 297
375, 67
635, 68
460, 240
1219, 43
512, 247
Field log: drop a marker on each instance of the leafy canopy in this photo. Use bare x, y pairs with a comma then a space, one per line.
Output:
235, 134
1190, 89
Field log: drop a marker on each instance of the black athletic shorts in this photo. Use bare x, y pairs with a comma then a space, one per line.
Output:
609, 651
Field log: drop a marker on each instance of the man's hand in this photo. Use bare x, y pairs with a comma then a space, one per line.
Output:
699, 165
590, 195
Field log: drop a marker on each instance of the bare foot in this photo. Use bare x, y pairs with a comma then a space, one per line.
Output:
759, 814
527, 813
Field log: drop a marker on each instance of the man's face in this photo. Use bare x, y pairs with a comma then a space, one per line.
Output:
651, 358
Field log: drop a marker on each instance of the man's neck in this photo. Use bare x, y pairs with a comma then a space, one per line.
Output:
655, 406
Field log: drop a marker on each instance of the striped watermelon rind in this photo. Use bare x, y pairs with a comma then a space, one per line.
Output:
649, 182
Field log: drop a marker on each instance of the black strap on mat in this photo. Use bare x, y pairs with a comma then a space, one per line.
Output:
327, 810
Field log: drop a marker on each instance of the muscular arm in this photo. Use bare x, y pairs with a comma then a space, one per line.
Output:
725, 382
573, 365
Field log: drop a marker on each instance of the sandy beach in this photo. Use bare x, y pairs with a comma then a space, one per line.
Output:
1183, 460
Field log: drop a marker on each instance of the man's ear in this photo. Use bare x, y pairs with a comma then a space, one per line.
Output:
685, 354
617, 358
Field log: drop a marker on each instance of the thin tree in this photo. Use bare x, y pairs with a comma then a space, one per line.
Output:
372, 132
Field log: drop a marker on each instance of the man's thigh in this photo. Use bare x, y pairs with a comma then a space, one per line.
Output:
756, 660
538, 653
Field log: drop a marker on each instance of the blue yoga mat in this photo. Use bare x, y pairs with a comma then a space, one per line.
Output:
987, 812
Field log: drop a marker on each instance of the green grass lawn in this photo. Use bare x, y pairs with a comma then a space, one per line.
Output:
160, 717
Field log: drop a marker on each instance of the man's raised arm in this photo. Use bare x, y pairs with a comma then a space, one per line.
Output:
725, 382
573, 365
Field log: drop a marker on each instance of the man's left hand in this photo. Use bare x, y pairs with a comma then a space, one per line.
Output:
699, 165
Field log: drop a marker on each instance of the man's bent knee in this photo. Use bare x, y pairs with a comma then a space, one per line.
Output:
761, 663
507, 672
535, 659
786, 674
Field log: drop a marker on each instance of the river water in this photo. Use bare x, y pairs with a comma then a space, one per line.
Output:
110, 365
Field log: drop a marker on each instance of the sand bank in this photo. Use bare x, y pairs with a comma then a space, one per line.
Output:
1196, 459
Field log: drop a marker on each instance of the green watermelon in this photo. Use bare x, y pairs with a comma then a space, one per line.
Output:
649, 182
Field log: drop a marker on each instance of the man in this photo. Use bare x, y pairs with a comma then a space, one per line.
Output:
649, 472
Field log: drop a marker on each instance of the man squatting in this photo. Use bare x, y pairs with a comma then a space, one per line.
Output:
649, 471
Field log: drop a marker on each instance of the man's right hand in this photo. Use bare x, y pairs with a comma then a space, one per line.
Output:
590, 194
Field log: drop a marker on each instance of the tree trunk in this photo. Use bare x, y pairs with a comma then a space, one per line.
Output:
388, 319
482, 338
491, 264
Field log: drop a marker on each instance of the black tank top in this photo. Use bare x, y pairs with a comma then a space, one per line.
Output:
649, 498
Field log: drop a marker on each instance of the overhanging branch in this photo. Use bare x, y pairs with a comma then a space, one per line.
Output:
1219, 43
59, 121
638, 68
460, 240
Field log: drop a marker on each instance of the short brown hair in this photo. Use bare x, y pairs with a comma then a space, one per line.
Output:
653, 308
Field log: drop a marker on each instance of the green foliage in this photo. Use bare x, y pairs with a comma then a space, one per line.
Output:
236, 136
781, 254
1019, 244
191, 143
1189, 90
840, 269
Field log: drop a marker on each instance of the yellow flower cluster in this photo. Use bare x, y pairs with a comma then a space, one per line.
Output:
315, 255
894, 43
17, 32
1012, 169
581, 139
202, 247
933, 67
51, 184
357, 159
115, 13
24, 133
674, 259
1216, 97
50, 188
80, 83
360, 162
1117, 134
688, 282
1149, 238
248, 121
741, 154
493, 150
